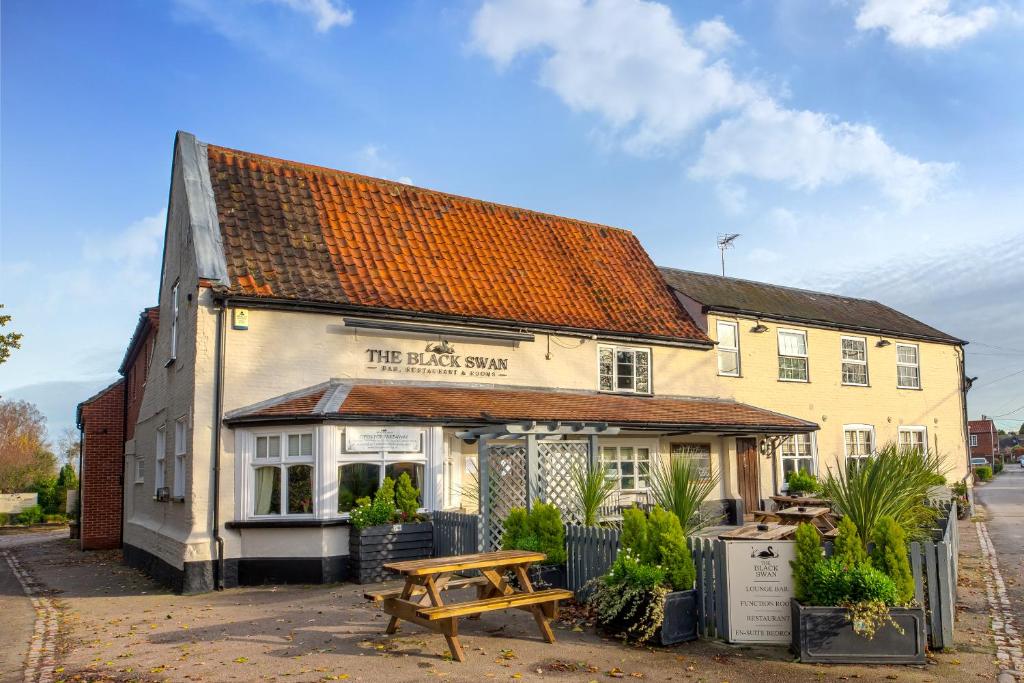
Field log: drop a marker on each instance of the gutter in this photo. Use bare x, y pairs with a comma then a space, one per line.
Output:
404, 316
218, 393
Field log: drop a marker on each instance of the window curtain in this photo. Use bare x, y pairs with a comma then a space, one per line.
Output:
264, 491
792, 344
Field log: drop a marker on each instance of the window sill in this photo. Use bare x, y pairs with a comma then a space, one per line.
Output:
795, 381
909, 388
624, 392
177, 499
722, 374
862, 386
285, 523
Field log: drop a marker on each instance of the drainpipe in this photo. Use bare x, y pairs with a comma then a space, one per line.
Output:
218, 383
964, 388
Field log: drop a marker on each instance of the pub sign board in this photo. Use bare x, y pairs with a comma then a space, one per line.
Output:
380, 439
436, 358
760, 589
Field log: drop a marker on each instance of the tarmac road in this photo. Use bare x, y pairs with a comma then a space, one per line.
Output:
1003, 499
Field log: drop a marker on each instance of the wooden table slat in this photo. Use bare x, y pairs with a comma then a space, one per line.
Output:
439, 565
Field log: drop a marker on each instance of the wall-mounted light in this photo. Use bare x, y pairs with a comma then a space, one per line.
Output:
759, 328
882, 343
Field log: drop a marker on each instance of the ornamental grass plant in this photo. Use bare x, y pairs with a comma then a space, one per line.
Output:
892, 483
591, 489
680, 487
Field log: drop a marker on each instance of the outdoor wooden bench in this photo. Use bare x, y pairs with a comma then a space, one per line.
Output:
420, 602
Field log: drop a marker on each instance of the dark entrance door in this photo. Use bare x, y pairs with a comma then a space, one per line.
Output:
748, 474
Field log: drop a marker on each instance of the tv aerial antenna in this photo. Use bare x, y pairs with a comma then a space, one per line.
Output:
725, 241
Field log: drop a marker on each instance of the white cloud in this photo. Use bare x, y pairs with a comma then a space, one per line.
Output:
733, 198
924, 23
326, 13
654, 86
714, 35
807, 150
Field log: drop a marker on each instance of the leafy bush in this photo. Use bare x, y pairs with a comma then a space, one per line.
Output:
30, 515
380, 511
835, 584
55, 519
5, 519
983, 473
849, 548
808, 555
407, 497
800, 481
890, 557
49, 496
997, 467
894, 482
634, 530
679, 488
630, 600
666, 548
541, 530
590, 490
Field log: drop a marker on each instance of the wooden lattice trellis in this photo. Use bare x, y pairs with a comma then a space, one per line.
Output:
506, 485
556, 462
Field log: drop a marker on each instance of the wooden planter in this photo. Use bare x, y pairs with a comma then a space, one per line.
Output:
825, 635
372, 547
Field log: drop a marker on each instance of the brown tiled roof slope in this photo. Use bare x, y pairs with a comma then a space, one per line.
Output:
729, 294
475, 404
307, 233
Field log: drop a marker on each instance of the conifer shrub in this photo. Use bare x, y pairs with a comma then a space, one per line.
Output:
849, 549
634, 530
809, 555
801, 481
540, 530
666, 547
890, 557
407, 497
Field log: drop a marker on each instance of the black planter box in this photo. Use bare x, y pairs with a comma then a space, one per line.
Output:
372, 547
825, 635
543, 576
680, 623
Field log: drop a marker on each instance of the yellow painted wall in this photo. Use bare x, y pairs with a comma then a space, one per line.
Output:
824, 399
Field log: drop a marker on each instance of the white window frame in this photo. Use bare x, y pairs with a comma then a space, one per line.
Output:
140, 469
859, 428
812, 453
174, 323
721, 348
283, 461
180, 450
381, 459
913, 429
615, 471
615, 350
804, 356
974, 440
916, 366
844, 361
160, 477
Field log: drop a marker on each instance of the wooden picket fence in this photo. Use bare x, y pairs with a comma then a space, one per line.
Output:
456, 533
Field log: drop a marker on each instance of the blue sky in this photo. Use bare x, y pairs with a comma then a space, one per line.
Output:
868, 147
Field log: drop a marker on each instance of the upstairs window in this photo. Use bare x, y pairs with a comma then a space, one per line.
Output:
908, 367
797, 455
974, 440
160, 480
174, 322
855, 361
728, 349
622, 369
793, 356
180, 448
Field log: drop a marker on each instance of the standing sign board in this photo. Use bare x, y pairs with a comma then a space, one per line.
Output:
379, 439
760, 588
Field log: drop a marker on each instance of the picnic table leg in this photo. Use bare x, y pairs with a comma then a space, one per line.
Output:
406, 593
452, 637
538, 613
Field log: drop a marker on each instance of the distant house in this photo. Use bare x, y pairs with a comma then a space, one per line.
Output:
983, 438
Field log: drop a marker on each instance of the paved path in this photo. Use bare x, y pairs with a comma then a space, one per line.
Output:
1003, 500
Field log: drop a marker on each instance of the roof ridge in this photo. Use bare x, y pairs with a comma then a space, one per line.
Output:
299, 165
777, 286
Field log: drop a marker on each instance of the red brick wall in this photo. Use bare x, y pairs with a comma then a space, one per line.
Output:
103, 469
988, 442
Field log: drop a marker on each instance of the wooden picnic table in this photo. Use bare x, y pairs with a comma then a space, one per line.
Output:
420, 602
805, 501
820, 517
754, 532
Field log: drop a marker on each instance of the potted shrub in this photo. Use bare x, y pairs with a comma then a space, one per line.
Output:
963, 506
851, 608
388, 529
541, 530
800, 483
648, 594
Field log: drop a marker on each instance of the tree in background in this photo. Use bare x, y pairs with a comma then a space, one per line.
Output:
8, 340
69, 446
25, 457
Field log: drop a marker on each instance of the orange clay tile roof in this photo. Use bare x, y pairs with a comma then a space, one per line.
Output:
311, 234
462, 404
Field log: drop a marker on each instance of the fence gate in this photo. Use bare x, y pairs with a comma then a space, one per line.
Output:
556, 462
506, 487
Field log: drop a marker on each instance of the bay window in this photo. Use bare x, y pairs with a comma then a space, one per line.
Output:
622, 369
283, 468
793, 356
361, 472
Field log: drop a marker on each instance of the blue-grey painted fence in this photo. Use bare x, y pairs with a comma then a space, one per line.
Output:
591, 551
457, 533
